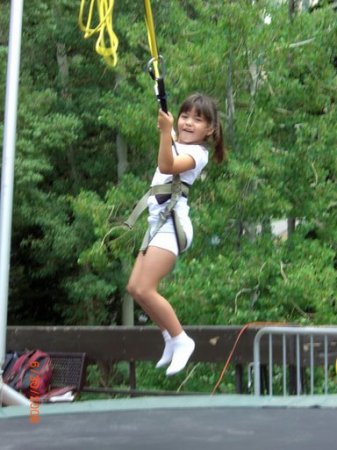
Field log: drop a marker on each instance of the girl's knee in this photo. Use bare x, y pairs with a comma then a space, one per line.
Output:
137, 291
130, 288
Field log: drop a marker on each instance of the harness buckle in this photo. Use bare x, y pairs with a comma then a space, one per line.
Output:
176, 189
164, 215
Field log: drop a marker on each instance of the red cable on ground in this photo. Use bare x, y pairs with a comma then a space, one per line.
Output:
243, 329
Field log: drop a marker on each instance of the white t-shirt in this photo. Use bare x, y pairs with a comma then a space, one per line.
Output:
200, 156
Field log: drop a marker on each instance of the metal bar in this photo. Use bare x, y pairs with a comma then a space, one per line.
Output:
298, 365
270, 352
284, 363
8, 395
257, 364
11, 397
329, 331
250, 369
8, 157
312, 364
326, 364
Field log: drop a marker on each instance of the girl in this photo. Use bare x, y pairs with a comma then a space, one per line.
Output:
180, 163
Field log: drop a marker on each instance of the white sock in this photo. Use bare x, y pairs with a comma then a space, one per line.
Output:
183, 347
168, 350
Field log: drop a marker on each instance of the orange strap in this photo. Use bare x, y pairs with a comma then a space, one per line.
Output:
243, 329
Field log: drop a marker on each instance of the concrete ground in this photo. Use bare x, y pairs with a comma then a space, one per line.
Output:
231, 422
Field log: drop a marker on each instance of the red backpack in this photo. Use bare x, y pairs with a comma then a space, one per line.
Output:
30, 373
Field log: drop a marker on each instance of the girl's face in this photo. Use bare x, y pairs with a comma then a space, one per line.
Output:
193, 128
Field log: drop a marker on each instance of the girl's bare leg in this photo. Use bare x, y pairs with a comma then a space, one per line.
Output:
148, 271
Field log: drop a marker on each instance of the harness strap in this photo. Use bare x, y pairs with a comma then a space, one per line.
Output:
138, 210
163, 189
179, 231
176, 189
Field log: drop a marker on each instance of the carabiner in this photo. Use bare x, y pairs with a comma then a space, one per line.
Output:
151, 69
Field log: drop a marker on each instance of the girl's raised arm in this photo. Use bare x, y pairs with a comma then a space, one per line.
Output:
167, 163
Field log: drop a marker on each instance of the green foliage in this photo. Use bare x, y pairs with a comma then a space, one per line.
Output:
199, 377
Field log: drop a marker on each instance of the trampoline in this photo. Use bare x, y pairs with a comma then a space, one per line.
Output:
184, 423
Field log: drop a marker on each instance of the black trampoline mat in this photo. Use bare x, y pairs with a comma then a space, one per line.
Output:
176, 429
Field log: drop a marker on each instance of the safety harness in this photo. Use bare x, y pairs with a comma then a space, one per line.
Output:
174, 190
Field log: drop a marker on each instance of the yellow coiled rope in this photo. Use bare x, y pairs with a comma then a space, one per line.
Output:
107, 41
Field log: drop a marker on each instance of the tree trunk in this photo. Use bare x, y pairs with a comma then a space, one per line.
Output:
127, 301
122, 156
62, 61
63, 69
230, 104
291, 226
292, 8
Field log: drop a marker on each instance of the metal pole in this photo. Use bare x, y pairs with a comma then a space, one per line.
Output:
7, 183
284, 363
257, 374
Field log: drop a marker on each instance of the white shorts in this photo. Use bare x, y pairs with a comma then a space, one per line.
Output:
166, 237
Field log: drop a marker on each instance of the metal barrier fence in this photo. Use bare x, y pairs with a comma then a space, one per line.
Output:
301, 348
